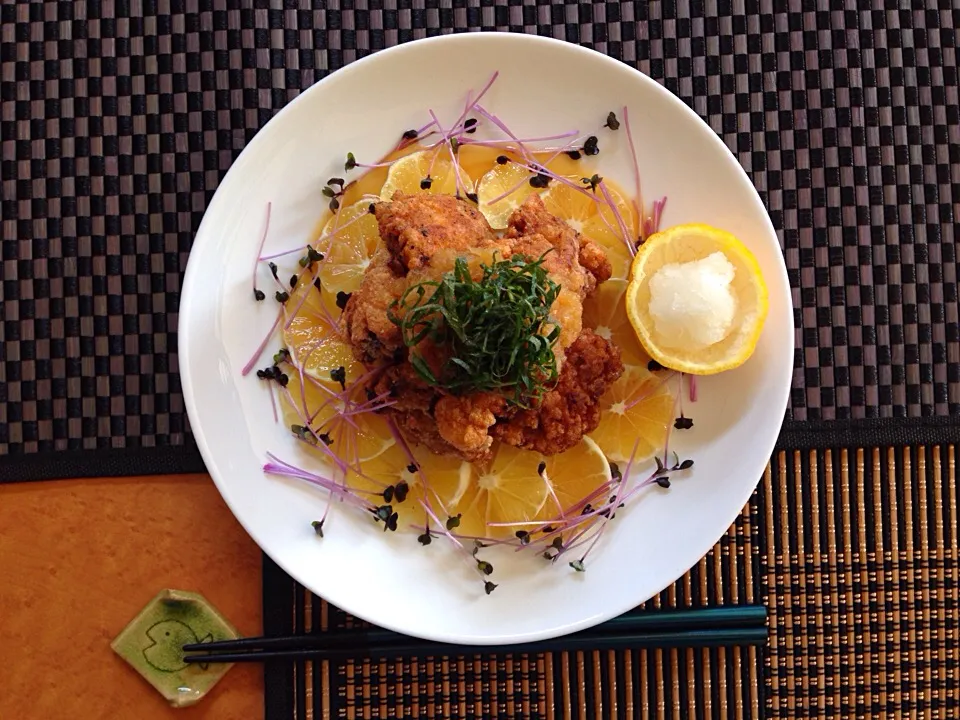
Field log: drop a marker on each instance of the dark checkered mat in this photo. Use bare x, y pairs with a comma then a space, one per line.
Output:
119, 119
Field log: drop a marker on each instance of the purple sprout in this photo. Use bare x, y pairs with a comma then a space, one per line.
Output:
263, 240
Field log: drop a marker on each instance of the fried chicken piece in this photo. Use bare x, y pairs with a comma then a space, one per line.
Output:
465, 421
374, 338
414, 227
423, 234
446, 424
593, 259
533, 219
408, 391
412, 410
571, 409
535, 233
420, 428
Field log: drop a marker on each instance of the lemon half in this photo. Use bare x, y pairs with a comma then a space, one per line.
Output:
677, 247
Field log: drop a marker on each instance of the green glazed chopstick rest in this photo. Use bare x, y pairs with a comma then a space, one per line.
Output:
152, 644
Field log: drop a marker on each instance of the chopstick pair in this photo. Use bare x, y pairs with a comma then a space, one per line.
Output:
689, 628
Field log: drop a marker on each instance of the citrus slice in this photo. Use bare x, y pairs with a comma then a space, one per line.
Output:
348, 241
697, 299
357, 439
440, 479
591, 215
574, 475
315, 344
637, 408
509, 489
409, 173
475, 160
353, 439
606, 314
492, 186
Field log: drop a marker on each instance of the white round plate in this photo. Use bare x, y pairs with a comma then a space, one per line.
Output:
544, 87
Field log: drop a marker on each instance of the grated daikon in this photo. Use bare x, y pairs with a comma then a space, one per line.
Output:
692, 303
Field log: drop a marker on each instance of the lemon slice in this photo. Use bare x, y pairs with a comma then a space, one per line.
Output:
637, 408
591, 215
697, 299
442, 480
361, 441
407, 174
606, 314
475, 160
355, 441
495, 183
315, 344
348, 241
573, 475
509, 489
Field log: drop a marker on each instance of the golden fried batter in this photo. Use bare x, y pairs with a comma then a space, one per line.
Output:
571, 409
414, 227
533, 218
368, 329
465, 421
422, 235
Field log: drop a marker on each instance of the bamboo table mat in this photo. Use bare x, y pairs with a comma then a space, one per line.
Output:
854, 551
118, 118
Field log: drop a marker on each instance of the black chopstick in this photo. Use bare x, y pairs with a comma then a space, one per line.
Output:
627, 641
700, 627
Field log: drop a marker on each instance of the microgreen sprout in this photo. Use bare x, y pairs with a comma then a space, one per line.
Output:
485, 567
540, 180
312, 256
258, 294
637, 198
624, 234
612, 121
334, 189
318, 527
590, 147
592, 182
